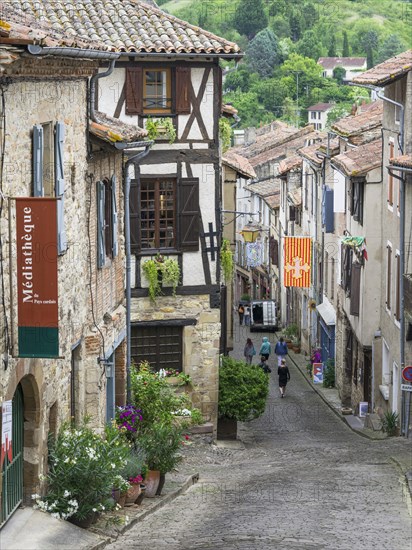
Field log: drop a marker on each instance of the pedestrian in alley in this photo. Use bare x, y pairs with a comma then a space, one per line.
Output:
264, 366
247, 316
249, 351
281, 350
284, 377
241, 311
265, 348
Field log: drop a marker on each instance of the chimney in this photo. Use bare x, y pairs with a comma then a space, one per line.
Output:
250, 136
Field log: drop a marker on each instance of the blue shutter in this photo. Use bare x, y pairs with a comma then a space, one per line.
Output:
329, 214
59, 185
38, 146
115, 246
101, 245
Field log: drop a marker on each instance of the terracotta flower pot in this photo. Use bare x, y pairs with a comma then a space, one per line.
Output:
132, 494
122, 499
151, 481
142, 493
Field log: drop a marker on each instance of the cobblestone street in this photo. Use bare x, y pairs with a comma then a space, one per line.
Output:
302, 480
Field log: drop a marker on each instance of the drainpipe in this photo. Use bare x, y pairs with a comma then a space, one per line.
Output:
135, 159
93, 81
405, 403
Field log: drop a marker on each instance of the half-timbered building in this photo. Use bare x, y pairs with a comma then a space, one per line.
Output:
168, 70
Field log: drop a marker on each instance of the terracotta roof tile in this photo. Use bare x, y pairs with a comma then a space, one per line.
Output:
403, 160
388, 71
239, 163
321, 107
309, 153
355, 125
126, 26
332, 62
289, 163
19, 28
276, 145
268, 190
295, 196
360, 161
113, 130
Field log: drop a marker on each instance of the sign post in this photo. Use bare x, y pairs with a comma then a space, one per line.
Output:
407, 373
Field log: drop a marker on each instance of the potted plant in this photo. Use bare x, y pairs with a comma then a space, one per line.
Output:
160, 271
243, 390
133, 471
161, 445
291, 332
161, 128
128, 419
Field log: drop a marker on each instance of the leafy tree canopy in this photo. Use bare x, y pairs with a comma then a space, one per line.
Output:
250, 17
391, 47
309, 45
263, 53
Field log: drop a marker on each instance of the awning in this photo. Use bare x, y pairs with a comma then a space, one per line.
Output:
327, 312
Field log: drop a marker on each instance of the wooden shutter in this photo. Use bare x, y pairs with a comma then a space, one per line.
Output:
398, 293
134, 91
101, 245
389, 277
292, 213
38, 146
355, 289
114, 228
274, 251
60, 185
182, 90
390, 179
134, 216
188, 206
329, 214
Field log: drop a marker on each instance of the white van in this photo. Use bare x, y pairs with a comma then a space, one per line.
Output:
263, 315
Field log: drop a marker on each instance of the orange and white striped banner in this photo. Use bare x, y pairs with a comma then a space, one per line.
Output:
297, 261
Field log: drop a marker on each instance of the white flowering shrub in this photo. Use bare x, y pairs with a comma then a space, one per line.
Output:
83, 470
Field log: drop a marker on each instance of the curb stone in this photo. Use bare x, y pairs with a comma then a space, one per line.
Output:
157, 505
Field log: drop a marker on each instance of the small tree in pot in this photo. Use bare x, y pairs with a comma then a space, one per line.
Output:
243, 390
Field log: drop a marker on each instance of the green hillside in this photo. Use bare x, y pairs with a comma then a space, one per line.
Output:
282, 40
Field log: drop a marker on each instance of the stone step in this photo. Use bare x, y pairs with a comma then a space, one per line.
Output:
205, 428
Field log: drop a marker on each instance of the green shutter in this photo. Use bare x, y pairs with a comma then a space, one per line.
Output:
38, 147
60, 186
101, 246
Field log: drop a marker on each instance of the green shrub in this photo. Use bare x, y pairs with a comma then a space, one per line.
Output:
161, 445
83, 469
243, 390
329, 374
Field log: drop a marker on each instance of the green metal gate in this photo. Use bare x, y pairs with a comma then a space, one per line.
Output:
12, 473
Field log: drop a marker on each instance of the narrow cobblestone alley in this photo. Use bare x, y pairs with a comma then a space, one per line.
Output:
302, 480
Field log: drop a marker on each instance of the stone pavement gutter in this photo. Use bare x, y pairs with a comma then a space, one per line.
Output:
331, 398
109, 531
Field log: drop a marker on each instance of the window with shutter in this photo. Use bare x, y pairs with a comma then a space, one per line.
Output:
182, 90
160, 345
157, 94
355, 289
101, 245
388, 276
189, 214
115, 245
60, 186
398, 293
329, 213
157, 213
390, 177
134, 91
357, 200
292, 213
108, 218
274, 251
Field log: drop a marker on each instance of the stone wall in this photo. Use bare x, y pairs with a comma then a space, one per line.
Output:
200, 343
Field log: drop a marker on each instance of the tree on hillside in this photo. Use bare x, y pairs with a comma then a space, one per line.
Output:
237, 80
250, 17
345, 51
294, 23
339, 74
391, 47
332, 47
309, 45
369, 42
263, 53
309, 16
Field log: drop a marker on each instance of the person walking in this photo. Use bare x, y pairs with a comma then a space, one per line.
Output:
281, 350
241, 311
266, 369
249, 351
247, 316
284, 377
265, 348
